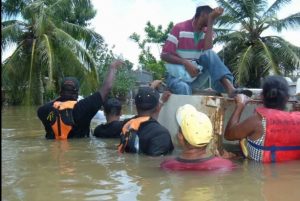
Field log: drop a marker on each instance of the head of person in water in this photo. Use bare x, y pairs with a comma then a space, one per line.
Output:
195, 128
275, 92
69, 88
146, 101
112, 109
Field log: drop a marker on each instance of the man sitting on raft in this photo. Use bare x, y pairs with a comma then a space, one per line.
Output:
191, 60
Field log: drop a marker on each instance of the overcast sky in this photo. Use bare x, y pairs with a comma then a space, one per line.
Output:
116, 20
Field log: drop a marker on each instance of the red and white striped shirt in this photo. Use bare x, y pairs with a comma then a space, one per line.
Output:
184, 41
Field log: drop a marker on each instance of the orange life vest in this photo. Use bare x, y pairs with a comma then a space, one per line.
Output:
129, 137
61, 119
282, 140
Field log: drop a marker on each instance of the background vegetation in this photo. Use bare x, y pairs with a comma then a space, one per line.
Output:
53, 40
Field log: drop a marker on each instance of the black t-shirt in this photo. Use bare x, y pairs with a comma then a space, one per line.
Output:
83, 112
154, 139
109, 130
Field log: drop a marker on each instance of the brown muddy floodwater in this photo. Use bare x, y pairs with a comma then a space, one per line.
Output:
36, 169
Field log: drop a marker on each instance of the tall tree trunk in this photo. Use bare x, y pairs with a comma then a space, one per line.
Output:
40, 87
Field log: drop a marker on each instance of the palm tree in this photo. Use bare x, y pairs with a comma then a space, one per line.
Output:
247, 52
51, 42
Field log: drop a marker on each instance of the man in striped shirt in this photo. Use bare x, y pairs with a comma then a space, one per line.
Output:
191, 60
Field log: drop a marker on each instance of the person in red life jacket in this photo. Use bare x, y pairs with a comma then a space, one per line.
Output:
190, 60
272, 134
194, 135
66, 118
143, 133
113, 126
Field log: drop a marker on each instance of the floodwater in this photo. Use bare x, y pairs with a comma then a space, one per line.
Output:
34, 168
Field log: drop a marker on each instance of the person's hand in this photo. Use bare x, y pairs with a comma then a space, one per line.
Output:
216, 13
117, 64
165, 96
155, 84
241, 99
191, 69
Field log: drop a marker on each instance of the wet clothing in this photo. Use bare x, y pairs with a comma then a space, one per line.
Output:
61, 118
187, 44
153, 138
257, 154
207, 164
109, 130
83, 112
282, 136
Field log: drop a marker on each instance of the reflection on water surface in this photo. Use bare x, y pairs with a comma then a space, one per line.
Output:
34, 168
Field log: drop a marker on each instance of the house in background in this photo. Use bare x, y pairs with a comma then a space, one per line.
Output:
142, 77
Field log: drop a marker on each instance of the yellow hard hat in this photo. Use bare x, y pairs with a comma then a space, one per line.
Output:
196, 126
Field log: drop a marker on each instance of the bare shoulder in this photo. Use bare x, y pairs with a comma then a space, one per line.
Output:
256, 122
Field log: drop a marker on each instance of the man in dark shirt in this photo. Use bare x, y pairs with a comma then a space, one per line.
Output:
113, 126
143, 134
83, 110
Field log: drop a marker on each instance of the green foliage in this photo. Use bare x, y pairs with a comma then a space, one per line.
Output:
124, 80
248, 53
52, 42
157, 35
154, 36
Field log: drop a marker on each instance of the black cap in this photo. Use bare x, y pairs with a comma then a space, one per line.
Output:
146, 98
70, 84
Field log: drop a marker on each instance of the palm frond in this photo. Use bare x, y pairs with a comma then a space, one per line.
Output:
41, 23
15, 54
12, 8
221, 32
269, 58
290, 21
243, 64
285, 50
89, 36
11, 31
32, 9
223, 37
228, 8
72, 66
274, 8
46, 56
67, 40
228, 20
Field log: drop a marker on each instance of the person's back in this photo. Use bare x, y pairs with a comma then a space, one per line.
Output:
113, 126
195, 133
66, 117
272, 134
142, 133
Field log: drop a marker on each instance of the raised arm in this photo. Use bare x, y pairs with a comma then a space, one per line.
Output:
236, 130
108, 82
164, 98
208, 38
